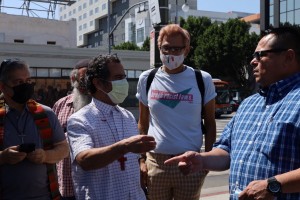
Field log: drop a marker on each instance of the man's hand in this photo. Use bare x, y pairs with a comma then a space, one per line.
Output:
256, 190
144, 173
189, 162
11, 155
140, 143
38, 156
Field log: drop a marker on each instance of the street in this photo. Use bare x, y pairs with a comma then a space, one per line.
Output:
216, 183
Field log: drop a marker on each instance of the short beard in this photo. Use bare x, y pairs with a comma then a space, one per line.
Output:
80, 100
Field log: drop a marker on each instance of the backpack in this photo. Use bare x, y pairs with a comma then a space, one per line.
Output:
200, 84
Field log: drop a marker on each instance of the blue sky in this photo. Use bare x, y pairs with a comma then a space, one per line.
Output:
251, 6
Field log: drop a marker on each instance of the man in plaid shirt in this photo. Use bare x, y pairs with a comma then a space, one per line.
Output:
261, 144
64, 108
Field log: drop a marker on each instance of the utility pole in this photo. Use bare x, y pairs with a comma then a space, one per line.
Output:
164, 14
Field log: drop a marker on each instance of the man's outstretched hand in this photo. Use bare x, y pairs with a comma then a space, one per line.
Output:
189, 162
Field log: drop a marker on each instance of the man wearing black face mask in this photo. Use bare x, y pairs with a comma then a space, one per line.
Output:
31, 138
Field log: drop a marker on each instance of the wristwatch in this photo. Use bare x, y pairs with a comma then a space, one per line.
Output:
274, 186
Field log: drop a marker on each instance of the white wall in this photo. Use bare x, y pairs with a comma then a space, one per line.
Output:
35, 30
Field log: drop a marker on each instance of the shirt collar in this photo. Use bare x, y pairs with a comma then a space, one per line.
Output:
105, 108
70, 100
281, 88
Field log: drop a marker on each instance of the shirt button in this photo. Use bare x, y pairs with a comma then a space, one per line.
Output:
250, 142
237, 183
258, 124
267, 106
241, 161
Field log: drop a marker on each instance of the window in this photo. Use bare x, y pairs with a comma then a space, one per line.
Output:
70, 13
96, 34
40, 72
32, 72
123, 12
65, 16
84, 26
80, 18
84, 6
91, 12
55, 72
97, 10
79, 8
138, 73
66, 72
290, 17
92, 23
96, 44
282, 6
297, 17
115, 38
130, 74
61, 8
90, 2
123, 36
80, 38
100, 43
80, 27
51, 42
101, 32
290, 5
115, 16
124, 1
104, 6
74, 11
18, 41
140, 35
297, 4
84, 16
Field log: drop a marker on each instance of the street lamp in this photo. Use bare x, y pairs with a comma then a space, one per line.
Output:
185, 8
111, 32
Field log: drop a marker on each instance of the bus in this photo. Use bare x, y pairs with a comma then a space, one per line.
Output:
222, 105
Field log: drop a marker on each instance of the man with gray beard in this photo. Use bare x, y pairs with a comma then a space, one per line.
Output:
64, 108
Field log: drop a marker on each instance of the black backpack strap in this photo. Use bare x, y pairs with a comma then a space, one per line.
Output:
150, 79
201, 87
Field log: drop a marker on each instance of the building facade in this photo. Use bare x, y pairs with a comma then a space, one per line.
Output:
33, 30
92, 24
277, 12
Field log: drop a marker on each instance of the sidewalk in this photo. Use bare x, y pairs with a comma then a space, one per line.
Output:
215, 193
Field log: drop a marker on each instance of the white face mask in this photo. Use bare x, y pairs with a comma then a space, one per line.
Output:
119, 91
171, 61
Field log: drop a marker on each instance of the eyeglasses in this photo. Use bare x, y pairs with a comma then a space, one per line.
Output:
169, 49
258, 54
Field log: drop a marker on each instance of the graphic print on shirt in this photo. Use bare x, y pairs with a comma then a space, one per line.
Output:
171, 99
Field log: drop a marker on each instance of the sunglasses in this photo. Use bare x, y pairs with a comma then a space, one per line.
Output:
258, 54
168, 49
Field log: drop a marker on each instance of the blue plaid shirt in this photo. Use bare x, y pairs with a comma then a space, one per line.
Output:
263, 138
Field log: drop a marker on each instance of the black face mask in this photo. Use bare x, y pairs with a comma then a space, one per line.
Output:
23, 92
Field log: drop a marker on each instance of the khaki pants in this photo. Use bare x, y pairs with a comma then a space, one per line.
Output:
166, 182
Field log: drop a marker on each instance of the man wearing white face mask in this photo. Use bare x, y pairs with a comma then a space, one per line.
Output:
104, 137
170, 111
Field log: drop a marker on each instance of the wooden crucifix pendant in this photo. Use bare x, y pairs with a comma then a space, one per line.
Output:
122, 162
